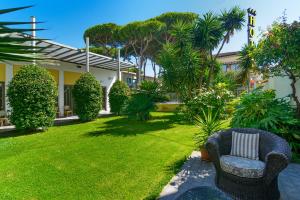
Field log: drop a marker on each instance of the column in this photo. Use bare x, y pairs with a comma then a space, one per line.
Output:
8, 77
61, 91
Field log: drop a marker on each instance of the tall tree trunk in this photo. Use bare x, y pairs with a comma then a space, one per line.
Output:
154, 69
211, 70
144, 70
214, 58
294, 95
138, 73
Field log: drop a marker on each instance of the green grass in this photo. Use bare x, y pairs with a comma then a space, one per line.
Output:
110, 158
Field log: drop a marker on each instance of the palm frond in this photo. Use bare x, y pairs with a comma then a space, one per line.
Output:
15, 45
4, 11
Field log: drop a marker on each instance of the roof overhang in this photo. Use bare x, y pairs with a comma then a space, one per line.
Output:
64, 53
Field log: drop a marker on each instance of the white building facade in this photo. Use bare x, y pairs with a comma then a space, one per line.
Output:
66, 64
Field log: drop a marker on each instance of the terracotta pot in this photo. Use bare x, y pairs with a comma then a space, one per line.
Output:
204, 155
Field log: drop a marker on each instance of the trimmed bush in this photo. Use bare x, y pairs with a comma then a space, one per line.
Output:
87, 95
32, 95
118, 96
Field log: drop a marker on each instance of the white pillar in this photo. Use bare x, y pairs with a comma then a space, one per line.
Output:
33, 20
61, 90
119, 65
8, 77
87, 46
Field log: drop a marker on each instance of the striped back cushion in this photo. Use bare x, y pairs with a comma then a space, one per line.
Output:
245, 145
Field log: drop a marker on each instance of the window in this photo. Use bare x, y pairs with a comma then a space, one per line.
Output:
129, 81
68, 97
228, 68
235, 67
224, 67
2, 96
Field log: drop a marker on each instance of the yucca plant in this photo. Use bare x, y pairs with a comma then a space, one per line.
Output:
209, 122
15, 45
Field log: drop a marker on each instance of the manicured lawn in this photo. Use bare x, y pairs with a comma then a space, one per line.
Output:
111, 158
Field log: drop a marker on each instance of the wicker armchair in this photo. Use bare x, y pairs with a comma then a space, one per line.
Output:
273, 151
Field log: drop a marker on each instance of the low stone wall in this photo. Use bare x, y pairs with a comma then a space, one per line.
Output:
167, 107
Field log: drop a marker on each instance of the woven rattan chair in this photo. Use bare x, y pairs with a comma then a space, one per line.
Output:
273, 151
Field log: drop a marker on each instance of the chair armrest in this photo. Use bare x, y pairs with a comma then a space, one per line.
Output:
212, 146
275, 163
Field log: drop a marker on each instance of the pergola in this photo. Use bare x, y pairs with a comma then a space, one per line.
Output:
76, 56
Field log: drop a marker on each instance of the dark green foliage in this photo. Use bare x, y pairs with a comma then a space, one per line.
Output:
118, 96
143, 101
103, 36
260, 109
32, 95
140, 105
87, 94
180, 63
154, 90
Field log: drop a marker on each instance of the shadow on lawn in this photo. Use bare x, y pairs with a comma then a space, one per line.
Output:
17, 133
123, 126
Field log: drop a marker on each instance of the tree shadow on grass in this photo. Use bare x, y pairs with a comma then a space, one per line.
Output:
17, 133
124, 126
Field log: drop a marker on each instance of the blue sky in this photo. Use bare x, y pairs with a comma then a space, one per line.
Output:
66, 20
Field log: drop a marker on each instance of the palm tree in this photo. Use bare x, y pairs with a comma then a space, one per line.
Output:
211, 30
232, 21
247, 64
14, 43
208, 33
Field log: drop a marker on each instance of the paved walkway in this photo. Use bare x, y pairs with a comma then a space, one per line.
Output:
195, 173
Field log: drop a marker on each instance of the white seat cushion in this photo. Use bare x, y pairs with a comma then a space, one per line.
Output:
242, 167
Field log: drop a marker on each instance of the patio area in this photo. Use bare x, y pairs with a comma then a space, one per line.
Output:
195, 173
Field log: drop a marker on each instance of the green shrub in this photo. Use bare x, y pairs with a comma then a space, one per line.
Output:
87, 94
143, 100
260, 109
154, 90
32, 95
215, 98
118, 96
139, 106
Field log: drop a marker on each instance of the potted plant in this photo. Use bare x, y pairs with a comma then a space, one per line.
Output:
209, 122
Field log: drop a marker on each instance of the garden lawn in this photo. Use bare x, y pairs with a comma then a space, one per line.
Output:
110, 158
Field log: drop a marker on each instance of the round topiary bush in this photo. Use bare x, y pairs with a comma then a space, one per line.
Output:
87, 94
32, 95
118, 96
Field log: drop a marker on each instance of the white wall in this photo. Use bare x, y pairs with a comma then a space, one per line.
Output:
282, 86
106, 78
